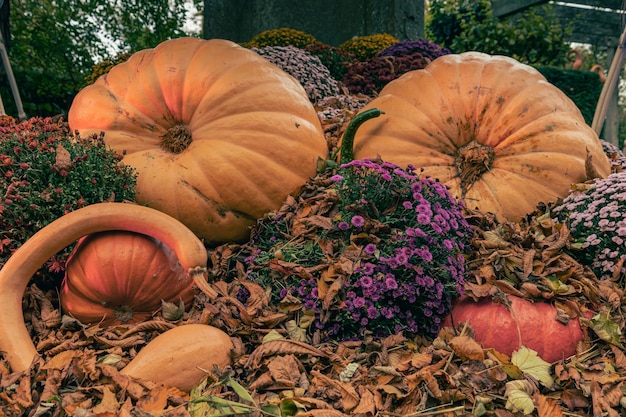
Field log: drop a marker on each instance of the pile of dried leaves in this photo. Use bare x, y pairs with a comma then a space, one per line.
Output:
277, 375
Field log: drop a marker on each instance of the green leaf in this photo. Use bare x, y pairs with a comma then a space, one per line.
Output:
239, 390
518, 397
272, 410
531, 364
605, 328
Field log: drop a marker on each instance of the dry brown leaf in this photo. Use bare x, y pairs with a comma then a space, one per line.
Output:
154, 401
322, 413
61, 360
108, 404
282, 346
134, 389
314, 403
574, 398
23, 393
285, 370
467, 348
333, 289
257, 299
150, 325
63, 159
367, 404
349, 396
74, 401
547, 407
322, 222
289, 268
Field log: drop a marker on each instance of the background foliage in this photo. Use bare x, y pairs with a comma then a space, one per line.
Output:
55, 44
537, 37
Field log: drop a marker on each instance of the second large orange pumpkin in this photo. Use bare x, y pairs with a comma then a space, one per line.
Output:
494, 130
219, 136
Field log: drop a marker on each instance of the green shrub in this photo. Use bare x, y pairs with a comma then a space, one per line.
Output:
582, 87
336, 60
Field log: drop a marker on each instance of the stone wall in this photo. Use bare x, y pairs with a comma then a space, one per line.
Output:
330, 21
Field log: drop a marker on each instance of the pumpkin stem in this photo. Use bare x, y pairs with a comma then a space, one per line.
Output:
347, 142
472, 161
176, 139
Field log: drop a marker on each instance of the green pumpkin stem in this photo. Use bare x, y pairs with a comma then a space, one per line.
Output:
347, 142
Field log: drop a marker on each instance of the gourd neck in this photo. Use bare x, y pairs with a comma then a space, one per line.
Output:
347, 142
176, 139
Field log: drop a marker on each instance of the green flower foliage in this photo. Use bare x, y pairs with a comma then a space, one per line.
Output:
105, 66
336, 60
281, 37
364, 47
45, 172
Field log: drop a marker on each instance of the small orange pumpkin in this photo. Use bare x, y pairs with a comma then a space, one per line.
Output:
219, 136
116, 277
492, 129
530, 324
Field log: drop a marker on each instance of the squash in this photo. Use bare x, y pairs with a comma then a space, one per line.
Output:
492, 129
530, 324
15, 341
118, 277
180, 356
218, 135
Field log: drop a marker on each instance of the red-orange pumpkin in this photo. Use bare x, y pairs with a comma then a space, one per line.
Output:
118, 277
219, 136
494, 130
532, 324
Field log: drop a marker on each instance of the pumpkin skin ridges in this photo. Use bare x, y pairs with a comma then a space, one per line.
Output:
216, 83
433, 113
110, 270
15, 341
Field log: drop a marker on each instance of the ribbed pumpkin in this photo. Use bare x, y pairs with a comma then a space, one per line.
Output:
219, 136
530, 324
494, 130
116, 277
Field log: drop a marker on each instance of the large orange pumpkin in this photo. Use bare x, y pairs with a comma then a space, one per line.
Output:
219, 136
116, 277
491, 128
530, 324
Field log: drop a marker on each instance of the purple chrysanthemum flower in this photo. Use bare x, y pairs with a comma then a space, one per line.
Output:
358, 221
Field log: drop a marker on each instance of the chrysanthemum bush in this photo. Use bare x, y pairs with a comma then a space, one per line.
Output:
305, 67
616, 156
45, 172
596, 217
383, 252
370, 76
364, 47
429, 50
281, 37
